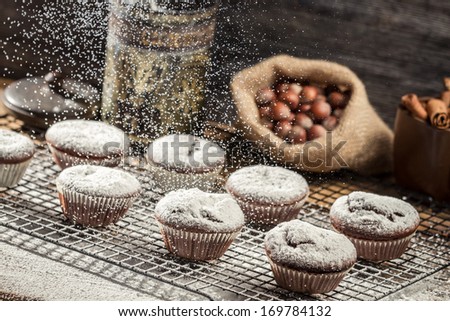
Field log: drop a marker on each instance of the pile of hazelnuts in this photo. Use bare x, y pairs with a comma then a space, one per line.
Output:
299, 111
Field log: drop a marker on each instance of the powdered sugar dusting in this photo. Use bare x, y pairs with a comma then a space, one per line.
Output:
15, 146
186, 152
372, 214
267, 184
301, 245
86, 138
193, 208
98, 181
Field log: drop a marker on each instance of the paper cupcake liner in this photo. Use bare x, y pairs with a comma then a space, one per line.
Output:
65, 160
373, 250
269, 214
196, 245
171, 180
93, 211
11, 174
305, 282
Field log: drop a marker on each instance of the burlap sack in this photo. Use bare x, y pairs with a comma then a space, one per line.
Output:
366, 141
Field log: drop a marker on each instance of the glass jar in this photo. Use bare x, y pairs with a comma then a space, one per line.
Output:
156, 60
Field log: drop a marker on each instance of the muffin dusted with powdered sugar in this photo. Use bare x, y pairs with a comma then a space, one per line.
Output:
379, 226
196, 210
16, 152
306, 258
75, 142
96, 195
198, 225
15, 147
98, 181
185, 161
268, 195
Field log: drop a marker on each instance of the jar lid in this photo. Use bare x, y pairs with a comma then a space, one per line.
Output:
41, 101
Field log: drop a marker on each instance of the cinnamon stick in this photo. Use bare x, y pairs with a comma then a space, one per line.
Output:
412, 103
437, 113
447, 83
445, 96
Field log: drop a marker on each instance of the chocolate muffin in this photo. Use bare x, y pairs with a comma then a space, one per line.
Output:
16, 152
198, 225
96, 195
380, 227
308, 259
76, 142
185, 161
268, 195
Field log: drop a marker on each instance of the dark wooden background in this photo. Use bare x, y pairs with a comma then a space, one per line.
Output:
395, 46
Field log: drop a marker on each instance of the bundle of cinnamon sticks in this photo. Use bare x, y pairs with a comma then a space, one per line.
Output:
436, 110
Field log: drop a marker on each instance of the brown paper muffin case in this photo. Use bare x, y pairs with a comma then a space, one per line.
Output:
270, 214
372, 250
304, 282
65, 160
91, 210
196, 245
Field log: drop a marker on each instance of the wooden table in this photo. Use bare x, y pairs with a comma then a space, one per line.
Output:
395, 48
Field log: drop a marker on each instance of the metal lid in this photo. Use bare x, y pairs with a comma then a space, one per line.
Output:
41, 101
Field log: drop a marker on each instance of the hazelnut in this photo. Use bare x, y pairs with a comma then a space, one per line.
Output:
330, 88
265, 96
265, 111
291, 117
320, 110
337, 99
320, 91
303, 120
338, 112
309, 93
316, 131
321, 98
330, 123
304, 107
296, 88
280, 111
281, 87
299, 113
282, 128
297, 135
290, 98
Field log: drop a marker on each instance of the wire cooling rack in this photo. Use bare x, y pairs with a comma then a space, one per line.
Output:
243, 273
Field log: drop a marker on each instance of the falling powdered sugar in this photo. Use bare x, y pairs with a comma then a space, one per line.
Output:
300, 245
198, 210
98, 181
267, 184
86, 138
374, 215
14, 146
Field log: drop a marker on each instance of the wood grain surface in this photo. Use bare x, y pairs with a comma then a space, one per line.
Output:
394, 46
